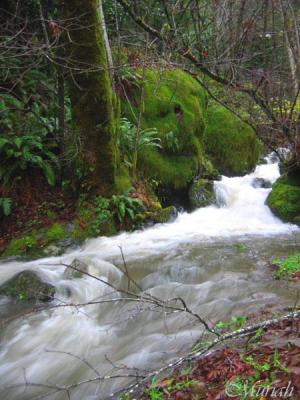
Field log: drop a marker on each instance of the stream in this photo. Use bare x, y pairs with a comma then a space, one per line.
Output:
215, 258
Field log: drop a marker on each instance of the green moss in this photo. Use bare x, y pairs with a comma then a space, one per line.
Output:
27, 286
284, 199
55, 232
93, 103
51, 215
209, 171
22, 246
231, 144
201, 193
123, 181
160, 216
288, 266
174, 102
78, 232
175, 171
94, 218
297, 220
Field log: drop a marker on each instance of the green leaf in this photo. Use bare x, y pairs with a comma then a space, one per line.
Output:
3, 142
122, 209
5, 202
49, 174
130, 212
18, 142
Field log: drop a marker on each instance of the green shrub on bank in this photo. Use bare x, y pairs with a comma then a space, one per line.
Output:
288, 266
55, 232
21, 246
22, 153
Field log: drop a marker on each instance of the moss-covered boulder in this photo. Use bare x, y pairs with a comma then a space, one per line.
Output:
77, 269
164, 215
27, 286
201, 193
284, 199
297, 220
261, 183
158, 216
231, 144
174, 105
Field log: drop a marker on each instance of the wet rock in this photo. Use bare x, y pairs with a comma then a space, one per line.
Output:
284, 199
68, 243
258, 183
163, 215
208, 171
297, 220
201, 193
53, 250
71, 273
274, 158
262, 161
27, 286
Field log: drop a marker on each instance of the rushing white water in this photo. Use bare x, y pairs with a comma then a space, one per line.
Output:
244, 213
193, 257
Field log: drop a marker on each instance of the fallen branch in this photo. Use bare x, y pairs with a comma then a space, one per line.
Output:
207, 351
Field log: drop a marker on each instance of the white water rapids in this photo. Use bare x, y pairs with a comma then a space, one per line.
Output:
196, 257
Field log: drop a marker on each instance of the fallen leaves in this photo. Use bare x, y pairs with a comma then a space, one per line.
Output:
276, 364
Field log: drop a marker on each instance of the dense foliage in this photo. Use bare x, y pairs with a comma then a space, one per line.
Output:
156, 93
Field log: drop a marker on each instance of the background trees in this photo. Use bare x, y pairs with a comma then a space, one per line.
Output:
43, 47
250, 48
60, 71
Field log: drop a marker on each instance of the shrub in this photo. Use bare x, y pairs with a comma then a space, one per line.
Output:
127, 136
125, 206
288, 266
21, 153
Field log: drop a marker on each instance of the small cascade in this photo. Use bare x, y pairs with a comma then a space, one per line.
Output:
195, 257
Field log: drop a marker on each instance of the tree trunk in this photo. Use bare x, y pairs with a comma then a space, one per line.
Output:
107, 44
91, 93
61, 110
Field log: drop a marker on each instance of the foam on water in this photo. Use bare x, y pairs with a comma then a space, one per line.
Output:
214, 280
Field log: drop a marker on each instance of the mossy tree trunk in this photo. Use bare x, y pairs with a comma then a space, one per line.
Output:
91, 93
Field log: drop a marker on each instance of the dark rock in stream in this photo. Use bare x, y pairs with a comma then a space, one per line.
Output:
259, 183
71, 273
27, 286
159, 216
201, 193
297, 220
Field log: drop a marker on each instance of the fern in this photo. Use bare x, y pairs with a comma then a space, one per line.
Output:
21, 153
126, 206
127, 137
5, 204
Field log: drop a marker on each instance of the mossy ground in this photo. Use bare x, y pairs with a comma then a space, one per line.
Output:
34, 242
231, 144
94, 216
284, 199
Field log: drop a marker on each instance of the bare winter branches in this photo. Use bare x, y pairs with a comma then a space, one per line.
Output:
249, 47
